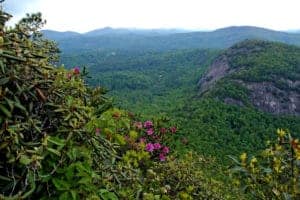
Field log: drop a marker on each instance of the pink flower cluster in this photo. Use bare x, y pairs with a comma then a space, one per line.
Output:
153, 138
148, 124
76, 71
173, 129
150, 131
164, 150
138, 125
98, 130
149, 128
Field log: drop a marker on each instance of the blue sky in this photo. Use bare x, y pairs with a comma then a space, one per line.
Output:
83, 16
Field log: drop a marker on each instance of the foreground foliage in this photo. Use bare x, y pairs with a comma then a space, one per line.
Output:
273, 174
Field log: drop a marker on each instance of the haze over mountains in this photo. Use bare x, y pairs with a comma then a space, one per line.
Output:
164, 39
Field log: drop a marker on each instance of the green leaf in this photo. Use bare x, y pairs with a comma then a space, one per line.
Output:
85, 180
54, 151
237, 169
60, 184
10, 103
3, 81
234, 159
64, 196
267, 170
2, 67
276, 192
5, 111
4, 144
73, 194
56, 140
287, 196
18, 105
126, 123
25, 160
60, 110
81, 168
4, 178
72, 154
14, 57
106, 195
70, 172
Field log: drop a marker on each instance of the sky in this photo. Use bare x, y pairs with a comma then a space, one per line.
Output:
82, 16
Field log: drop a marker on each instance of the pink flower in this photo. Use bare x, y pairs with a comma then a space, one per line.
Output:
149, 147
148, 124
69, 76
165, 150
154, 137
163, 130
157, 146
142, 140
150, 131
76, 70
162, 157
126, 137
98, 130
138, 125
173, 129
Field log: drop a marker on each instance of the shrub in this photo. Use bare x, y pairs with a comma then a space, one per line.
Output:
46, 151
273, 174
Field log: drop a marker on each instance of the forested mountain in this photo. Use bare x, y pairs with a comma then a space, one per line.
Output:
248, 89
263, 74
161, 40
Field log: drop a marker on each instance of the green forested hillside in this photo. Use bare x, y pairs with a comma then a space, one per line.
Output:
146, 80
226, 110
166, 83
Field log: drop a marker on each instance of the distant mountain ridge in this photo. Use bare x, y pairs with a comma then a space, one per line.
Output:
164, 40
52, 34
109, 30
57, 35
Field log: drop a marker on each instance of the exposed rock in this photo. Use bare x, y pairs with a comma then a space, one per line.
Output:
292, 84
216, 71
232, 101
269, 98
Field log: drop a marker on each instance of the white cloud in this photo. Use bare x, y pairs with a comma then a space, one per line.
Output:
201, 14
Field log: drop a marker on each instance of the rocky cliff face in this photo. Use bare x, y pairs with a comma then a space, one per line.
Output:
219, 69
269, 73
